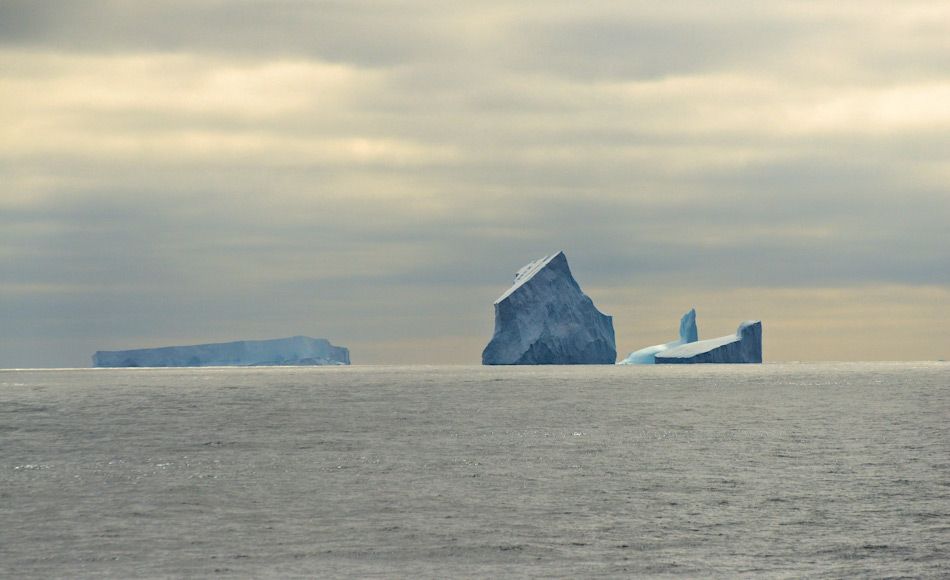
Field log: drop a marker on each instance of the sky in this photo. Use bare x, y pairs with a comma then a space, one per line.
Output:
177, 172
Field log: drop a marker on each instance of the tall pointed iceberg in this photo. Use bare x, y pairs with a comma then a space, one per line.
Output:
647, 356
745, 346
545, 318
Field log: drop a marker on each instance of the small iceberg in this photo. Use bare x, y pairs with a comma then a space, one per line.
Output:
647, 356
745, 346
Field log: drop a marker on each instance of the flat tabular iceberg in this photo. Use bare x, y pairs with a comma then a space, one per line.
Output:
297, 350
545, 318
745, 346
647, 356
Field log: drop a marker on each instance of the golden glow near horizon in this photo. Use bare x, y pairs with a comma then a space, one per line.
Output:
374, 173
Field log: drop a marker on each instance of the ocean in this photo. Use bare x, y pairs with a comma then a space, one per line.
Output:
823, 470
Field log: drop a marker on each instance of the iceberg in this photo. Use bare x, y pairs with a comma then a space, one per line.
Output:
647, 356
745, 346
297, 350
545, 318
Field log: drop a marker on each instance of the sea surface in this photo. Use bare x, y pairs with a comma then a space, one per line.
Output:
777, 470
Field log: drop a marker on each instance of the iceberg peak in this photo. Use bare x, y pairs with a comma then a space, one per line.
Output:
527, 272
688, 330
545, 318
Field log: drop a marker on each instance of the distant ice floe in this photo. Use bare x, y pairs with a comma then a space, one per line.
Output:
297, 350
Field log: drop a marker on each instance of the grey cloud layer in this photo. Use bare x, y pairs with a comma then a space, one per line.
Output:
370, 33
203, 169
600, 39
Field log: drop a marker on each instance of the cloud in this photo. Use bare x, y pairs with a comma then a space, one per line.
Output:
359, 32
175, 170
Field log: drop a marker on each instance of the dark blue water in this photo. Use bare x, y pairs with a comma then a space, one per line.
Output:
776, 470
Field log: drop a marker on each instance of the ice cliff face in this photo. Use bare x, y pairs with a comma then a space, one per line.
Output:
298, 350
545, 318
745, 346
647, 356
